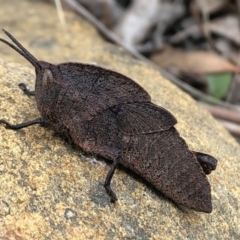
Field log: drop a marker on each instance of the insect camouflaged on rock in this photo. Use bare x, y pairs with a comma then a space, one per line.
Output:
108, 114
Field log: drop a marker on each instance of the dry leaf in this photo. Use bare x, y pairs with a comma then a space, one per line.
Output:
199, 62
227, 26
210, 6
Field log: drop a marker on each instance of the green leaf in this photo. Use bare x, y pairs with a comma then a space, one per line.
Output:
218, 84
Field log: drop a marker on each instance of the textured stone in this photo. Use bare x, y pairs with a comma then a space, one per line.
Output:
49, 190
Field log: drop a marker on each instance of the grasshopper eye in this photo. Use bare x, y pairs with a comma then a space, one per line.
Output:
47, 79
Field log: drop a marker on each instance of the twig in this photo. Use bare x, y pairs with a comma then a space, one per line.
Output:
61, 14
110, 35
223, 113
196, 17
231, 127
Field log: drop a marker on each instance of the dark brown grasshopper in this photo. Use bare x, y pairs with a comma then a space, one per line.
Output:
108, 114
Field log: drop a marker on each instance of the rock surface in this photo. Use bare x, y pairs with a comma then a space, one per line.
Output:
49, 190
